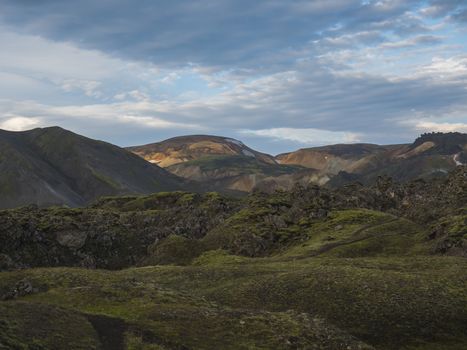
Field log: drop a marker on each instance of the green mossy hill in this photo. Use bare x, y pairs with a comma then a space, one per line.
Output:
103, 236
152, 315
450, 235
53, 166
36, 326
228, 302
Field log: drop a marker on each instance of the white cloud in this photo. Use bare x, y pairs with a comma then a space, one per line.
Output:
19, 123
46, 59
134, 95
147, 114
451, 67
89, 87
307, 136
414, 41
426, 126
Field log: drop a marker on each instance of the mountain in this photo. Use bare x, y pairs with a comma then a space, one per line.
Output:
433, 154
186, 148
228, 164
356, 267
224, 163
53, 166
430, 155
331, 159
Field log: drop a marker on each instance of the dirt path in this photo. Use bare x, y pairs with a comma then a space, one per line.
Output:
111, 331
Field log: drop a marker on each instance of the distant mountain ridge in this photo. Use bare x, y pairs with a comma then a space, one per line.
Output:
224, 162
53, 166
231, 164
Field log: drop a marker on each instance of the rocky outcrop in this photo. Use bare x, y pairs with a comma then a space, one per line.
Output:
118, 232
114, 233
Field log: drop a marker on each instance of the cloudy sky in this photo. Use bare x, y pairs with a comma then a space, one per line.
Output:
277, 74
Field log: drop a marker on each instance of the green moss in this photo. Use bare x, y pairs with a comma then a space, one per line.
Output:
345, 230
107, 180
33, 326
218, 257
393, 303
390, 302
174, 249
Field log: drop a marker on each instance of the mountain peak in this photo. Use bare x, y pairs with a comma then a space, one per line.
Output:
47, 166
193, 147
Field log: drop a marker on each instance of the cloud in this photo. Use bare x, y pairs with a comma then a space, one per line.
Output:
134, 94
89, 87
337, 69
448, 69
18, 123
141, 113
315, 137
211, 33
426, 126
418, 40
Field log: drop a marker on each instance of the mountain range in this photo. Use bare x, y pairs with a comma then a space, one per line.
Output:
53, 166
230, 164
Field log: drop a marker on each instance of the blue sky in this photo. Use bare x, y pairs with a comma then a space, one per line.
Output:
278, 75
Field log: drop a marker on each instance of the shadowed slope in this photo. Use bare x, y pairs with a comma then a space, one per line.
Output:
55, 166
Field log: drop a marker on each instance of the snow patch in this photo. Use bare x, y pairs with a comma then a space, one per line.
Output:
245, 152
248, 153
456, 159
236, 142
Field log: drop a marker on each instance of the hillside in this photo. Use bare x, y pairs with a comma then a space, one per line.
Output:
243, 173
378, 267
187, 148
331, 159
430, 155
53, 166
228, 164
225, 164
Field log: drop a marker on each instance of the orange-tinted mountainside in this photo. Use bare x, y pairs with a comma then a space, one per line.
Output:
233, 165
187, 148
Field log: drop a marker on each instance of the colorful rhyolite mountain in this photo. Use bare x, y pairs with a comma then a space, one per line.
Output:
231, 164
225, 163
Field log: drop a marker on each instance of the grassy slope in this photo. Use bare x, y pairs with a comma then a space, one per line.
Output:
223, 301
54, 166
242, 165
360, 273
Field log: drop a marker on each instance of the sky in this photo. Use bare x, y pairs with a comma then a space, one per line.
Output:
278, 75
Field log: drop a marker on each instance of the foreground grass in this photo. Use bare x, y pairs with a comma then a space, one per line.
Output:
357, 279
224, 301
